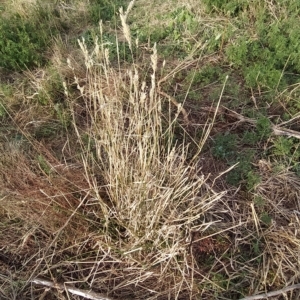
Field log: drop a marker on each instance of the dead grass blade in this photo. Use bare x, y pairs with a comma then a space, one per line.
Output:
85, 294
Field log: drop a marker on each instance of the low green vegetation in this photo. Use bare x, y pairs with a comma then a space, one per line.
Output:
21, 45
25, 37
104, 10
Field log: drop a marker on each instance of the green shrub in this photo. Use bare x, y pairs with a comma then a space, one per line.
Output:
206, 75
243, 172
21, 44
263, 128
105, 10
229, 148
178, 35
225, 146
226, 6
26, 37
52, 90
24, 40
268, 56
285, 147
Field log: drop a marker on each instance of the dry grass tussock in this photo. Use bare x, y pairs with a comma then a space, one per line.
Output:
153, 199
123, 202
116, 204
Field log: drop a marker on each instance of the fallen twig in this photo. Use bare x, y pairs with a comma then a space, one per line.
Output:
276, 129
86, 294
274, 293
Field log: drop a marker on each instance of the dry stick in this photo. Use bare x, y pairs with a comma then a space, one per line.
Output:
86, 294
277, 129
272, 294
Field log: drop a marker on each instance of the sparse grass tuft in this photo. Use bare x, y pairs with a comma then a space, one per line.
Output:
153, 199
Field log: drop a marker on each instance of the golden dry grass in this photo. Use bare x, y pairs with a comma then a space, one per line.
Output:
115, 203
135, 185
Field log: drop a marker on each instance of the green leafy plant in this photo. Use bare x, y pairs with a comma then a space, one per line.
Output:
232, 8
263, 128
43, 164
224, 146
283, 146
116, 48
24, 39
253, 179
63, 115
104, 10
267, 58
182, 19
259, 202
250, 137
242, 173
205, 76
21, 43
174, 39
287, 152
47, 130
266, 218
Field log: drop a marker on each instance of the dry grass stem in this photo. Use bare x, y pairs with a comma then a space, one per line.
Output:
274, 293
142, 171
74, 291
